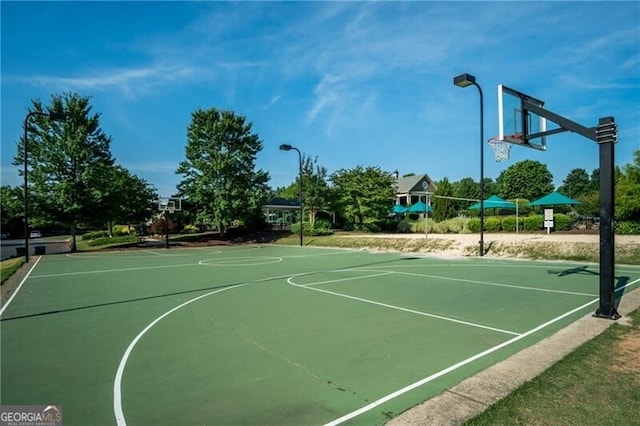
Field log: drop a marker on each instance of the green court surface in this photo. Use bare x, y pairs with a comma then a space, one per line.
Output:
272, 335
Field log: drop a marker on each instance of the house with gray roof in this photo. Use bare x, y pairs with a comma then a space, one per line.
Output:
413, 188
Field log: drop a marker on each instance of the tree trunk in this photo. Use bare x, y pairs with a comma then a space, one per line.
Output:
74, 247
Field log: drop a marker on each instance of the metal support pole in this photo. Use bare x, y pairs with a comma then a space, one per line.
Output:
606, 137
300, 189
166, 228
481, 169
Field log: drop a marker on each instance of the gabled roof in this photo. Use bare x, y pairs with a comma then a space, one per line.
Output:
415, 183
281, 202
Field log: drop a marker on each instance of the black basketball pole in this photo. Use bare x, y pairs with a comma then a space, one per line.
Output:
605, 135
606, 138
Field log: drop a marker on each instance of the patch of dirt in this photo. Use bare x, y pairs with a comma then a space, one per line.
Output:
627, 353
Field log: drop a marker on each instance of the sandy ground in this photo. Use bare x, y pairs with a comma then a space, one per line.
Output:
468, 239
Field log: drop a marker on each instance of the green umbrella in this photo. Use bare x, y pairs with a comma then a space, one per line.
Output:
494, 202
554, 199
398, 209
419, 207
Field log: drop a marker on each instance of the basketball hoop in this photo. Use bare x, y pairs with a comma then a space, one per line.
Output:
501, 149
171, 209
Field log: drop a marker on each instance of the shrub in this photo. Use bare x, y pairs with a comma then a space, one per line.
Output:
157, 227
404, 226
321, 227
95, 234
533, 223
190, 229
457, 224
627, 228
124, 230
369, 227
114, 240
562, 222
509, 224
492, 224
474, 225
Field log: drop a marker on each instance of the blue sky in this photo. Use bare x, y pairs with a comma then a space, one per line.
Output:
351, 83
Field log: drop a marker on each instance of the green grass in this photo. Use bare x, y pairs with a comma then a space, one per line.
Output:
597, 384
10, 266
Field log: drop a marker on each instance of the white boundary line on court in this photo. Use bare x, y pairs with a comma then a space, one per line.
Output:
228, 261
117, 395
462, 363
519, 287
105, 271
19, 286
348, 279
398, 308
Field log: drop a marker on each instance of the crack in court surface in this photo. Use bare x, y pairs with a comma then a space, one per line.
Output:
269, 352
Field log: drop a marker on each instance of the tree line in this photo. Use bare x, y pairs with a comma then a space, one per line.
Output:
74, 180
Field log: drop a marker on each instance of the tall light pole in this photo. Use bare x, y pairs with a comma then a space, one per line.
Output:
53, 116
464, 80
287, 147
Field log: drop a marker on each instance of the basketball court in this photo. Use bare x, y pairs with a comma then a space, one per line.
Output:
273, 334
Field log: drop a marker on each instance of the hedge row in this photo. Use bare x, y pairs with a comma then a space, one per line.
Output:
562, 222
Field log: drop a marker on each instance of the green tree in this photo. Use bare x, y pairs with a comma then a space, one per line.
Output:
131, 200
467, 189
315, 190
12, 208
576, 183
219, 170
595, 180
68, 162
363, 194
628, 191
443, 208
528, 179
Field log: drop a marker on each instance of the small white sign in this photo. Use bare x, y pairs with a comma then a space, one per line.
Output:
548, 224
548, 214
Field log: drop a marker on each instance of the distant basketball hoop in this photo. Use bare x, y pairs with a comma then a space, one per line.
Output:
501, 148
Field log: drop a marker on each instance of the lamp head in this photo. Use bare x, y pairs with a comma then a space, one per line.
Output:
285, 147
464, 80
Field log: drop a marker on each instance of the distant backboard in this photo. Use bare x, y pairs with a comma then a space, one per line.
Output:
515, 124
169, 204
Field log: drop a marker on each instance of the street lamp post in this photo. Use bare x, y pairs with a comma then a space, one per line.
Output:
287, 147
54, 116
464, 80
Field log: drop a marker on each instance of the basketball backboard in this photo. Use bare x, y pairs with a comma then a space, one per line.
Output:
169, 204
518, 125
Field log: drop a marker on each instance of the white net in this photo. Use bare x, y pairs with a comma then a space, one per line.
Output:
501, 149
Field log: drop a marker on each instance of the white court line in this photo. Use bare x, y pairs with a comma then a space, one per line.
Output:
347, 279
117, 395
497, 284
399, 308
117, 384
19, 286
105, 271
153, 253
462, 363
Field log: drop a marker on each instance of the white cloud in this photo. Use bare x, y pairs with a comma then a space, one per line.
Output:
130, 81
